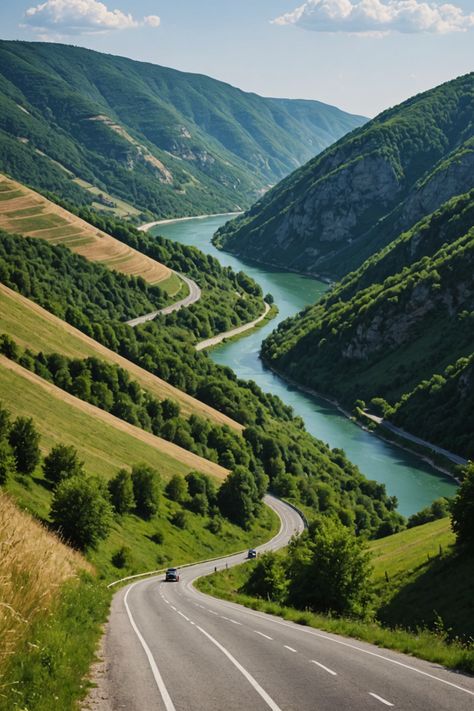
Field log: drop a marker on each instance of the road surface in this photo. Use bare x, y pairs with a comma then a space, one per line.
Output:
193, 296
171, 648
214, 340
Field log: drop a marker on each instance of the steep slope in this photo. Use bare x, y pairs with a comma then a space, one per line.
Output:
168, 142
392, 328
359, 194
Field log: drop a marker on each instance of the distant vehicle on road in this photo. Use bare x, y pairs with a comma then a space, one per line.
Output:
252, 553
172, 575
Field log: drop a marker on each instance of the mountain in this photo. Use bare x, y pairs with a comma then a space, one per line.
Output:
135, 137
361, 193
400, 328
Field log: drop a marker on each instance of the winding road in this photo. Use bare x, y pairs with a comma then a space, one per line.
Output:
171, 648
214, 340
193, 296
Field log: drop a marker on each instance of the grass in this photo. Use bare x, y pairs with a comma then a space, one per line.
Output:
105, 443
117, 207
425, 608
34, 565
35, 328
27, 213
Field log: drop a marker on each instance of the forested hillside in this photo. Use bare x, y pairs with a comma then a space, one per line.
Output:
400, 328
361, 193
139, 138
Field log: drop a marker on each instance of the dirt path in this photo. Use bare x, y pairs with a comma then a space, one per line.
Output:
233, 332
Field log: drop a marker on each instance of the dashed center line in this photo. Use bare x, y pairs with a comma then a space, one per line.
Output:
379, 698
318, 664
173, 608
213, 613
263, 635
183, 615
290, 649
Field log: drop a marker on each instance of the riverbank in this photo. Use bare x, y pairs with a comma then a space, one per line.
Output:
227, 335
423, 451
172, 220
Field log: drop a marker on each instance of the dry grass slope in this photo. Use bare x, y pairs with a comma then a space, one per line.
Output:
27, 213
34, 564
34, 327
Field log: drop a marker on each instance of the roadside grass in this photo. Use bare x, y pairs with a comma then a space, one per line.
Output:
425, 609
46, 220
104, 442
174, 286
35, 328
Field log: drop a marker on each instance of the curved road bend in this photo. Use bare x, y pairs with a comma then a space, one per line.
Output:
214, 340
193, 296
172, 648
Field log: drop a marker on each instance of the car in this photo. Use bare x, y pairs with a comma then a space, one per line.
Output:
172, 575
252, 553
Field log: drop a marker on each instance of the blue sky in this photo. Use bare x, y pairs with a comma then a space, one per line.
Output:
360, 55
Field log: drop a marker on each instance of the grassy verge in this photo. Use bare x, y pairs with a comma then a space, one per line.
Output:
423, 643
48, 669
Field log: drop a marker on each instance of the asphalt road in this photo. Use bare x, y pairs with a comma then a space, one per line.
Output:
193, 296
170, 647
233, 332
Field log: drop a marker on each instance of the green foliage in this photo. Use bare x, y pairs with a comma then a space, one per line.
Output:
269, 578
238, 497
180, 519
438, 509
177, 489
24, 441
463, 511
121, 492
122, 558
146, 490
81, 511
7, 461
219, 146
62, 463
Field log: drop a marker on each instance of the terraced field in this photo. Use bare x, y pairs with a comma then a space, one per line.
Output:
27, 213
34, 327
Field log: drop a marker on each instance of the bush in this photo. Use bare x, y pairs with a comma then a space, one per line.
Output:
146, 490
462, 518
177, 488
268, 579
7, 461
438, 509
180, 519
24, 440
158, 537
199, 504
122, 558
62, 463
121, 492
81, 511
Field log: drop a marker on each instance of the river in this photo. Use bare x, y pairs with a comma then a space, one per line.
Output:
414, 483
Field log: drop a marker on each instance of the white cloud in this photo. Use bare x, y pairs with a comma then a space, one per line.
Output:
377, 17
73, 17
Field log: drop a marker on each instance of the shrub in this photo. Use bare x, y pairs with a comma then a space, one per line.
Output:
24, 440
180, 519
81, 511
62, 463
268, 579
121, 492
122, 558
146, 490
177, 488
7, 461
158, 537
462, 519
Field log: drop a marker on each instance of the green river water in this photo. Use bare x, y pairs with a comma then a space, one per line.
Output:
413, 482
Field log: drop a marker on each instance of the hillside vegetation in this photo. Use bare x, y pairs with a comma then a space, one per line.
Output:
362, 192
400, 329
122, 134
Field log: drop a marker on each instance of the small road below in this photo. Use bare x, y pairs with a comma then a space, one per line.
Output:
193, 296
233, 332
171, 648
417, 440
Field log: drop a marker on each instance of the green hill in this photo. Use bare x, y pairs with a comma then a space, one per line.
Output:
362, 192
399, 328
135, 137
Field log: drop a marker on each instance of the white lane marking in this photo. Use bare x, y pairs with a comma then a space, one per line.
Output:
313, 633
253, 682
318, 664
212, 612
183, 615
234, 622
379, 698
263, 635
169, 706
289, 648
173, 608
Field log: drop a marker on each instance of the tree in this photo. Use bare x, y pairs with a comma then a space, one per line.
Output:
24, 441
462, 511
62, 463
269, 578
238, 497
146, 489
81, 511
5, 422
7, 461
121, 492
177, 488
329, 569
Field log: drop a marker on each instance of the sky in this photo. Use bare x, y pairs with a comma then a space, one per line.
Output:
360, 55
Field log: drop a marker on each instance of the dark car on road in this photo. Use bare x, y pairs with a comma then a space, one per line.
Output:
172, 575
252, 553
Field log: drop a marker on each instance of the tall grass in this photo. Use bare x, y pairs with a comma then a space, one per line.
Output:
34, 565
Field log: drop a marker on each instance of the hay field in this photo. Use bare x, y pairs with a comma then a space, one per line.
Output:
25, 212
104, 442
34, 327
34, 564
